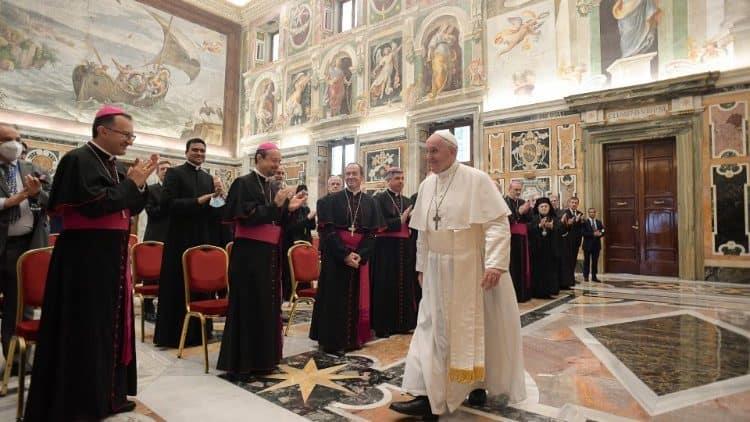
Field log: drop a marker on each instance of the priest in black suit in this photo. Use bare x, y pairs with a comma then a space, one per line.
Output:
194, 219
158, 220
572, 221
593, 231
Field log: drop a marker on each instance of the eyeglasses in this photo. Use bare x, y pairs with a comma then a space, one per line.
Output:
128, 135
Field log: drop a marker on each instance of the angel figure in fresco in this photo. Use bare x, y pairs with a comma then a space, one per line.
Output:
524, 29
294, 102
442, 57
265, 105
339, 87
386, 72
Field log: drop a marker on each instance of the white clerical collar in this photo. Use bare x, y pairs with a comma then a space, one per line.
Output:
262, 177
394, 193
194, 166
449, 171
110, 157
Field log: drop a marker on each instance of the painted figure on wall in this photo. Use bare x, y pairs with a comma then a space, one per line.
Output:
524, 30
338, 97
299, 28
636, 21
265, 107
298, 101
385, 77
443, 70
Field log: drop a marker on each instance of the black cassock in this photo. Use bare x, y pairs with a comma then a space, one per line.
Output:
298, 227
519, 263
190, 224
571, 243
81, 367
413, 234
158, 220
393, 279
252, 335
337, 323
544, 249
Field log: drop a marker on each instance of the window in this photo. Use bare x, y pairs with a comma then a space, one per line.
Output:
328, 19
347, 15
274, 46
260, 46
342, 153
461, 129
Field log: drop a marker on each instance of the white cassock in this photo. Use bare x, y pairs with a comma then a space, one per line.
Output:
466, 337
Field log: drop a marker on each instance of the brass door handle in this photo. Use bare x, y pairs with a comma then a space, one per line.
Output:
635, 227
658, 202
619, 204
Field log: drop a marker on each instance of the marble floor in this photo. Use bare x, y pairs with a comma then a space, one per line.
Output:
629, 348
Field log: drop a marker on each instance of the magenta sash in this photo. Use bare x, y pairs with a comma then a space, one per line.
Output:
522, 229
352, 241
268, 233
120, 220
402, 233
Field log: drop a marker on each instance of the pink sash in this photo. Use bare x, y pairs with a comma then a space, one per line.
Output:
120, 220
402, 233
363, 324
522, 229
268, 233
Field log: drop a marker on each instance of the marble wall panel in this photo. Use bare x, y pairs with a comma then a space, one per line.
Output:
566, 187
566, 146
728, 129
496, 149
730, 209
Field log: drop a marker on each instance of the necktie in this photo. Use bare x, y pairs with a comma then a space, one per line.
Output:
593, 223
14, 213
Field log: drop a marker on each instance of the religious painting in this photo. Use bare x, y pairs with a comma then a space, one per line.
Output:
628, 30
337, 99
383, 9
728, 123
522, 56
730, 189
443, 68
536, 187
566, 187
378, 158
295, 172
64, 59
566, 146
265, 107
300, 18
298, 97
529, 150
385, 72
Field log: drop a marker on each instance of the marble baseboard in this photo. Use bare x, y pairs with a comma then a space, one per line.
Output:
727, 275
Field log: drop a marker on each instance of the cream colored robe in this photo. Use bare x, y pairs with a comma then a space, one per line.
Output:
466, 337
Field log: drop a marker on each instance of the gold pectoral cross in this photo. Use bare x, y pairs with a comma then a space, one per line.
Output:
351, 230
436, 219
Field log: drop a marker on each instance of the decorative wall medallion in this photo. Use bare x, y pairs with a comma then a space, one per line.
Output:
44, 159
728, 123
300, 17
530, 149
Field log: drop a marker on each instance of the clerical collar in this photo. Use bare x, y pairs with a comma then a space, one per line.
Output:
394, 193
262, 177
354, 193
197, 168
107, 155
449, 171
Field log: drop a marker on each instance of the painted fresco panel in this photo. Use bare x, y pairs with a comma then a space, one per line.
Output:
298, 97
443, 57
386, 73
337, 99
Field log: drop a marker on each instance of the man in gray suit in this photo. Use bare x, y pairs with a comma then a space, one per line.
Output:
23, 220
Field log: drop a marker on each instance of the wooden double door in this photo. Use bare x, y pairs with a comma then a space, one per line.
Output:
640, 196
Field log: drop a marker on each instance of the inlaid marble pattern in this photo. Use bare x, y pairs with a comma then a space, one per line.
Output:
730, 184
566, 146
728, 129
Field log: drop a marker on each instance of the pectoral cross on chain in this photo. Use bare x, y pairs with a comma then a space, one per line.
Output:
351, 230
436, 219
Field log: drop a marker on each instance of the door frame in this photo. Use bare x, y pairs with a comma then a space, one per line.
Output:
686, 129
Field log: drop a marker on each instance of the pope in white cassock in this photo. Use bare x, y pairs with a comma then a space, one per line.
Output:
468, 335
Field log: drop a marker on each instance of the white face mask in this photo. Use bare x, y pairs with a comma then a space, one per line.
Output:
11, 150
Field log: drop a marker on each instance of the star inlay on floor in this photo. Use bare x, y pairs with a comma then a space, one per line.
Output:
309, 377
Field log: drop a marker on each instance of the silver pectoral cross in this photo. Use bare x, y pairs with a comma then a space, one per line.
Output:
436, 219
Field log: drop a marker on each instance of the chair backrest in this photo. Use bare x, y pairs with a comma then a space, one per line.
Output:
52, 239
31, 270
304, 263
205, 270
316, 243
229, 248
146, 260
132, 240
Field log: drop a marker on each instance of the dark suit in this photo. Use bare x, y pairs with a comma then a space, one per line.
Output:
11, 247
158, 220
592, 245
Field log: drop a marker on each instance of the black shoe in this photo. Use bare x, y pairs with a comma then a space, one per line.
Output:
419, 406
128, 406
382, 334
478, 397
596, 280
334, 352
585, 279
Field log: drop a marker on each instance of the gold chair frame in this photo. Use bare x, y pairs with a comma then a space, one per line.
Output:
294, 299
199, 315
21, 342
136, 280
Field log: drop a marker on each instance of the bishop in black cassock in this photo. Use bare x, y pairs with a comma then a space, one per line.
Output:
187, 194
252, 341
393, 287
347, 223
520, 267
85, 359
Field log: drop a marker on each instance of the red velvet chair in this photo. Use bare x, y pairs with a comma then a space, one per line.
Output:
304, 269
145, 259
31, 270
205, 270
52, 239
